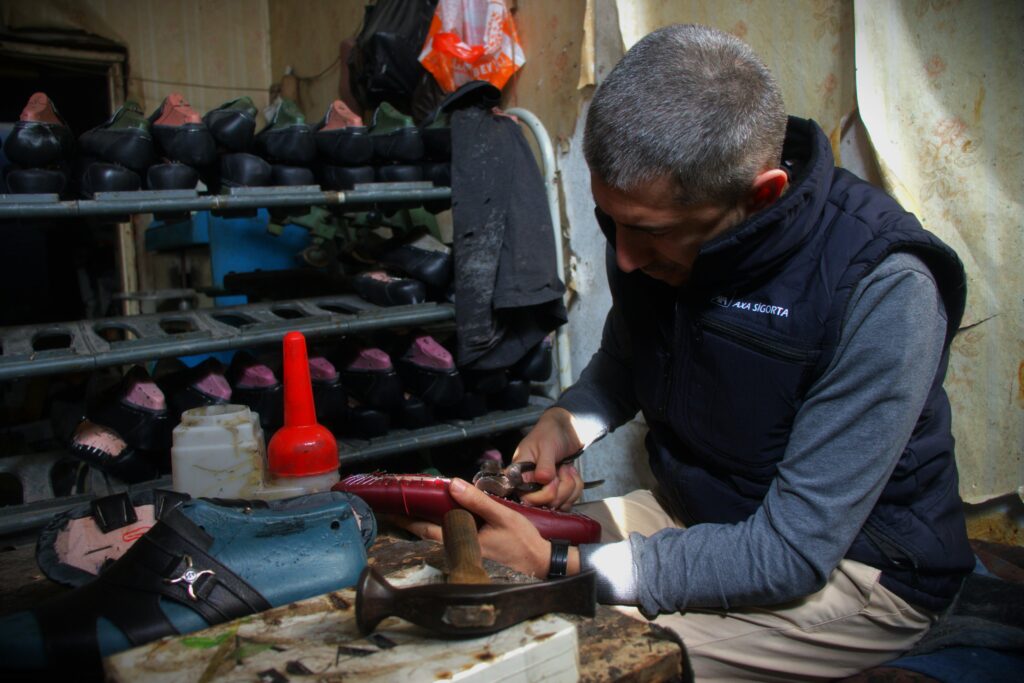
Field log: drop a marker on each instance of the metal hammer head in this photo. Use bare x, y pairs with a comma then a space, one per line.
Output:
468, 610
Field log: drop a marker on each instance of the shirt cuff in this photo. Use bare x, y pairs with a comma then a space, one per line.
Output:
616, 575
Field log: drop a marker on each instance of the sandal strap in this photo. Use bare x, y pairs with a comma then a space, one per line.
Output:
165, 500
113, 512
170, 562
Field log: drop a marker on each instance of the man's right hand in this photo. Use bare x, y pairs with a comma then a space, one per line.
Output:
552, 440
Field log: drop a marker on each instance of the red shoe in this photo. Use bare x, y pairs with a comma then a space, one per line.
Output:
426, 497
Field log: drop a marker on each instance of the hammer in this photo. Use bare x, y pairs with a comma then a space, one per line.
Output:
469, 605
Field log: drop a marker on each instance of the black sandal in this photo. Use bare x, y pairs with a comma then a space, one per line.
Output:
79, 544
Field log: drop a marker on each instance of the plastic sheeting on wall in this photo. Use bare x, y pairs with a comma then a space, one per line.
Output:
941, 86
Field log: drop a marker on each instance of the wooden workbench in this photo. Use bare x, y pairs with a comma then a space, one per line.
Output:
612, 646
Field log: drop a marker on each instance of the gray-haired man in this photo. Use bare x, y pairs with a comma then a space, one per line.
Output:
784, 328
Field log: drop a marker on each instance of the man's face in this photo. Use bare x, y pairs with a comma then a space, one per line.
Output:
657, 235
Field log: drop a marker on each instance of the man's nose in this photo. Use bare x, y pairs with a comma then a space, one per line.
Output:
631, 251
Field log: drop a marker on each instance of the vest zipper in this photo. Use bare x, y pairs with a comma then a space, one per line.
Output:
760, 342
900, 557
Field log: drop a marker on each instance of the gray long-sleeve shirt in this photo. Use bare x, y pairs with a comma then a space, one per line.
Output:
868, 399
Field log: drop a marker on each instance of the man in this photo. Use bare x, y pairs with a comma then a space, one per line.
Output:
784, 328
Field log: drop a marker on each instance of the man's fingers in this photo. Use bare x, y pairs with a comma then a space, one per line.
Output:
570, 487
545, 497
428, 531
478, 502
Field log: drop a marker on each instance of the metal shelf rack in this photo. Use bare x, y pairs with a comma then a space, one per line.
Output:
239, 199
35, 350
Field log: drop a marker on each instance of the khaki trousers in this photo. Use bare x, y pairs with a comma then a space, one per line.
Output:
851, 624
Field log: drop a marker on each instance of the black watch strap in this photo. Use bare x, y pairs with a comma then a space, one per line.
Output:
559, 558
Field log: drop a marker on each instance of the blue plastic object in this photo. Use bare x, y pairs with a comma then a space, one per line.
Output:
237, 245
295, 549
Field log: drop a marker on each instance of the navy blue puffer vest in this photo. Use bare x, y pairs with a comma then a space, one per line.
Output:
723, 364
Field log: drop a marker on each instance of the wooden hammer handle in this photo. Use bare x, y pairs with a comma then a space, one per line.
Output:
462, 548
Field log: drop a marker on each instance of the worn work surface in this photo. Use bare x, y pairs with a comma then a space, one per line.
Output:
612, 646
318, 637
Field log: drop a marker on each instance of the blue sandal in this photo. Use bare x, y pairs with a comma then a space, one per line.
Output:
202, 564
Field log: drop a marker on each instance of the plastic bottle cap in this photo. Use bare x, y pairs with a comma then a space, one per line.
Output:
302, 447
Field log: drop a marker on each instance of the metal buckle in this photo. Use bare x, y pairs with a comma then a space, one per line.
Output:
190, 576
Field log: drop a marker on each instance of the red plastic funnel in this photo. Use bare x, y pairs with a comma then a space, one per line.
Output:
302, 447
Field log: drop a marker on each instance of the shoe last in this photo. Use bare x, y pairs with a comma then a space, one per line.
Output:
232, 124
365, 422
341, 137
40, 137
244, 170
105, 177
371, 378
345, 177
287, 139
36, 181
205, 384
254, 384
395, 137
171, 176
428, 371
125, 139
399, 173
181, 133
414, 413
382, 289
329, 395
425, 259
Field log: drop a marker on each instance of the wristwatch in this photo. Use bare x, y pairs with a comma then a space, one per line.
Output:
559, 558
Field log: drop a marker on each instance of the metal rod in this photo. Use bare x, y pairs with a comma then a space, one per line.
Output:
10, 207
547, 154
358, 453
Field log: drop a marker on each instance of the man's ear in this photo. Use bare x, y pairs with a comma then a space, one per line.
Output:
768, 187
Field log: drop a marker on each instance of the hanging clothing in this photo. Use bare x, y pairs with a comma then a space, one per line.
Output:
508, 289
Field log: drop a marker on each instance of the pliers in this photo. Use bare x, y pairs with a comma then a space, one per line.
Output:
509, 482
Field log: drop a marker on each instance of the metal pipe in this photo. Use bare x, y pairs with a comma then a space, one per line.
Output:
129, 202
547, 154
353, 454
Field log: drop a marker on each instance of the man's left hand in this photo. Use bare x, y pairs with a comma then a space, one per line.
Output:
506, 536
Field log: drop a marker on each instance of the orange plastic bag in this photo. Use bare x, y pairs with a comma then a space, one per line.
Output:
471, 40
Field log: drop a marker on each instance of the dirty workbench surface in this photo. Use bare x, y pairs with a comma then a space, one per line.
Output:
612, 646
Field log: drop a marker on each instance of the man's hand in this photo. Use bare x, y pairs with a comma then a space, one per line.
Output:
506, 536
552, 440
